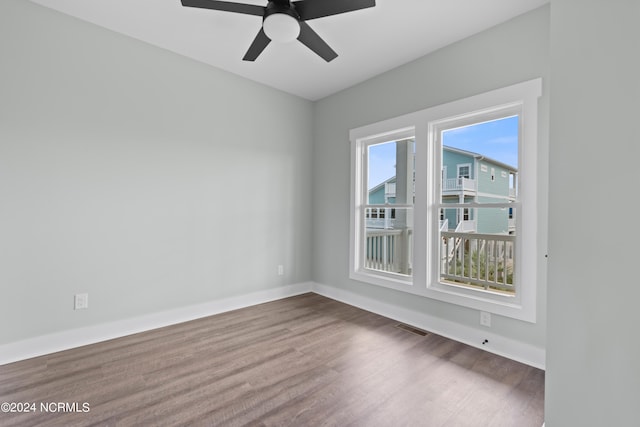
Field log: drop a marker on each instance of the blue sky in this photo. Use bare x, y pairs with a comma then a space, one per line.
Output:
497, 139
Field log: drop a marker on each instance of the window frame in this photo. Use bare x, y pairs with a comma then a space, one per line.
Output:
424, 126
358, 210
462, 166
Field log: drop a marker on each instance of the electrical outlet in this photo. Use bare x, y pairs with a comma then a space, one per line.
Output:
281, 270
485, 319
81, 301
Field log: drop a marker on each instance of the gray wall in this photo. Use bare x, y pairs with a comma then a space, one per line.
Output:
510, 53
593, 354
129, 173
148, 180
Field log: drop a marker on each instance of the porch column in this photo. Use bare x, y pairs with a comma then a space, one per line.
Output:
404, 196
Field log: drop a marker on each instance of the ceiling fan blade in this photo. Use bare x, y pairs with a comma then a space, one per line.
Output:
248, 9
312, 9
259, 43
312, 40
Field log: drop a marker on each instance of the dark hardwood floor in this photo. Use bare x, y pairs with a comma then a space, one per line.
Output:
301, 361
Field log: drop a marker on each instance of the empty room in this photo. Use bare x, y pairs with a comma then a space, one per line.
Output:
318, 212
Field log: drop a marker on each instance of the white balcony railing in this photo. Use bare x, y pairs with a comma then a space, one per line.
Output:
448, 185
468, 259
478, 260
389, 250
458, 184
467, 226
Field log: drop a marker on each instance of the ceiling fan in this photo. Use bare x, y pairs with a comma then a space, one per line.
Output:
284, 20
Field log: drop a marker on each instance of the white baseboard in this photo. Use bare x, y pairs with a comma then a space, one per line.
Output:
497, 344
65, 340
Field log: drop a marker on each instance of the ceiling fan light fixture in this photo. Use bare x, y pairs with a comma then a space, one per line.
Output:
286, 20
281, 27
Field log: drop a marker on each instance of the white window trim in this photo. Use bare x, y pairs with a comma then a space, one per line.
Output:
422, 126
359, 187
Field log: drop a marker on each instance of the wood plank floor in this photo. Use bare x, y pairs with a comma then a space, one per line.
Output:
301, 361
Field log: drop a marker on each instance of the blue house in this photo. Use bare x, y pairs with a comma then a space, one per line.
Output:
467, 177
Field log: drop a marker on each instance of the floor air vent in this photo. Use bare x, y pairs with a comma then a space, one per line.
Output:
412, 329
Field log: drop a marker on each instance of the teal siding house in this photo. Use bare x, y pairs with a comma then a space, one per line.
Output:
467, 177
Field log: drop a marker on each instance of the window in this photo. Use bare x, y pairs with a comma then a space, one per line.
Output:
386, 232
464, 171
477, 250
467, 239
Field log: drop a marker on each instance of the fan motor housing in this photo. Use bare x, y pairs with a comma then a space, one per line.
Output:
280, 7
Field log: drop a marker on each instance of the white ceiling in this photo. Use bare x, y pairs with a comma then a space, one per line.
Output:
368, 41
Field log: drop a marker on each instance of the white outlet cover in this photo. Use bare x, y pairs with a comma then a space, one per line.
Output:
81, 301
485, 318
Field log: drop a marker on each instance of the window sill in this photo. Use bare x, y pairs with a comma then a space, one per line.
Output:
501, 305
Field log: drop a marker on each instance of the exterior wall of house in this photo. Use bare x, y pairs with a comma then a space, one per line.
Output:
377, 197
492, 220
451, 216
451, 159
487, 220
499, 186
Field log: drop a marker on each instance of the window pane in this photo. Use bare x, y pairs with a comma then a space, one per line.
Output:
478, 260
388, 235
389, 240
477, 244
480, 162
484, 220
390, 167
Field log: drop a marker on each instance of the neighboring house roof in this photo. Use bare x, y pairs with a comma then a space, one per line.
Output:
481, 157
382, 184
